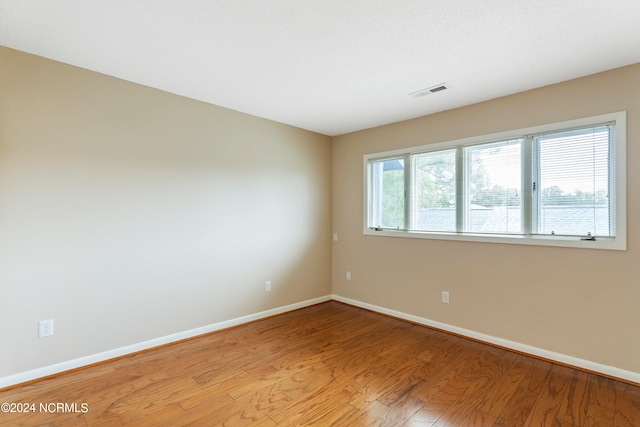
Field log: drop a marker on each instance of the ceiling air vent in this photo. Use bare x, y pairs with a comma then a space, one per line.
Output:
428, 91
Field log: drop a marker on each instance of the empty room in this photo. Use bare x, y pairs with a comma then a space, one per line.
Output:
354, 213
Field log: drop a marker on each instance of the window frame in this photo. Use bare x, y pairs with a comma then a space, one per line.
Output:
618, 158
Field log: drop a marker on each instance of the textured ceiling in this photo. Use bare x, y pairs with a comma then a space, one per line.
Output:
331, 66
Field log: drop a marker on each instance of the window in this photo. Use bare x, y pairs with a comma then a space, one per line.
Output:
574, 182
561, 185
494, 182
434, 191
388, 200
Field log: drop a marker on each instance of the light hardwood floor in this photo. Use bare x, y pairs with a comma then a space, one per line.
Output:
330, 364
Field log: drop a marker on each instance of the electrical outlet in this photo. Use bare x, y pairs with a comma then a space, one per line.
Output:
45, 328
335, 237
267, 286
348, 275
445, 297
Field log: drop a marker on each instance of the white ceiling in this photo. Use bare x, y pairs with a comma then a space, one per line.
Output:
331, 66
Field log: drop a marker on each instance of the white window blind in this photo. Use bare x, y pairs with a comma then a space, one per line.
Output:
574, 182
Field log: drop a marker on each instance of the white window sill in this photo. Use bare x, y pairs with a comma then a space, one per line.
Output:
606, 243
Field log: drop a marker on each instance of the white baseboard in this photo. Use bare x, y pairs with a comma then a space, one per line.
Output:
145, 345
588, 365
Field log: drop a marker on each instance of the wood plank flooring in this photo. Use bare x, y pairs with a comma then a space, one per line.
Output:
330, 364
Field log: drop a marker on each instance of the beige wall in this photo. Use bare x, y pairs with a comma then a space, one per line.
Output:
576, 302
127, 213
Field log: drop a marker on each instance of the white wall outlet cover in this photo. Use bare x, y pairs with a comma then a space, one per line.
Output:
45, 328
445, 297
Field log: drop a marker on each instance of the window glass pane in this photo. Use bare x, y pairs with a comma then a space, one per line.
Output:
573, 196
495, 189
434, 191
387, 193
